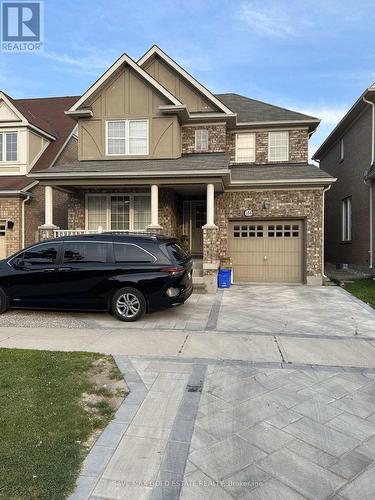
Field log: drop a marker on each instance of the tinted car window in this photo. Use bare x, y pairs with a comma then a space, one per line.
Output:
41, 254
131, 253
85, 252
176, 251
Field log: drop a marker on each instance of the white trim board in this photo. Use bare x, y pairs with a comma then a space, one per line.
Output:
124, 59
156, 50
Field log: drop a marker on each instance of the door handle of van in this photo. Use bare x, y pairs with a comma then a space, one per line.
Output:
64, 269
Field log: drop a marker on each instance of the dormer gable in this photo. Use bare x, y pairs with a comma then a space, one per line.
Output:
196, 97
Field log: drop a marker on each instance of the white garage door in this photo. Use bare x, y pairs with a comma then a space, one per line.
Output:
267, 251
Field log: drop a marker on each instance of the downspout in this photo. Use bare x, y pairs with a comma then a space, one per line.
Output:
371, 251
323, 229
23, 220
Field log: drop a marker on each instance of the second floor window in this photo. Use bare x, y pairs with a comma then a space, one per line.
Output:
127, 137
245, 148
201, 139
8, 146
278, 146
346, 207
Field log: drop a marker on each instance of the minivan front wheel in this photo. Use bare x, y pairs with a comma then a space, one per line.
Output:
128, 304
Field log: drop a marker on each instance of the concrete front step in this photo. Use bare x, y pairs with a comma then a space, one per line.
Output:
198, 284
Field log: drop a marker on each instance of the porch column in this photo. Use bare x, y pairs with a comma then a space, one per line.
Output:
48, 206
154, 208
46, 229
210, 206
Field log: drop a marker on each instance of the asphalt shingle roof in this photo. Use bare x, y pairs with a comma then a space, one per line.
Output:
251, 110
278, 172
203, 162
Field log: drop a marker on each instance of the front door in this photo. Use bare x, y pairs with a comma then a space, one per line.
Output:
198, 219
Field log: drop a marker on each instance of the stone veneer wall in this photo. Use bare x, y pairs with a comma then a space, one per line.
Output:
10, 209
298, 146
168, 208
305, 204
216, 138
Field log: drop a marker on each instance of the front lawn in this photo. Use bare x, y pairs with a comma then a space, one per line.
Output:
51, 406
364, 290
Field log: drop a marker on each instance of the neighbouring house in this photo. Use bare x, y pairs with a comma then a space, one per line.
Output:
348, 154
158, 151
33, 133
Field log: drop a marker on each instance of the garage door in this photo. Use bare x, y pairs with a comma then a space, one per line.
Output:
267, 251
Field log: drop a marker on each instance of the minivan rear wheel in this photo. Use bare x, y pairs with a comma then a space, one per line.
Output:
128, 304
3, 301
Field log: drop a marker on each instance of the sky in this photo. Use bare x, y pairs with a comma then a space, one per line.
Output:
313, 56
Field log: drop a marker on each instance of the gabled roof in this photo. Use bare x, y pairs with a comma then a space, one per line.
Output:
358, 107
155, 50
52, 110
252, 111
16, 184
124, 59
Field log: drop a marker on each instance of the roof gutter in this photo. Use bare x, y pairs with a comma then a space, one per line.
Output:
282, 182
129, 175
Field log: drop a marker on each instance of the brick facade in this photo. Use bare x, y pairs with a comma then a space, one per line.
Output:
11, 210
216, 138
298, 146
301, 204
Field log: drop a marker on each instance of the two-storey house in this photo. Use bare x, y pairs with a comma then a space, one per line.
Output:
158, 151
348, 154
31, 131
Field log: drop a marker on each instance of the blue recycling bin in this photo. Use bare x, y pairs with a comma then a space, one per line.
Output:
224, 278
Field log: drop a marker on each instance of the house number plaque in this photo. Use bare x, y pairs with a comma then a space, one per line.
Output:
248, 212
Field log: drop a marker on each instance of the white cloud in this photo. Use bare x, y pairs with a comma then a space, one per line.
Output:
267, 19
91, 63
329, 116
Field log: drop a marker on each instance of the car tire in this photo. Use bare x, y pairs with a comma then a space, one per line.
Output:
3, 302
128, 304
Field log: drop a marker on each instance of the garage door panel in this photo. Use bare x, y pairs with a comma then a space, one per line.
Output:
267, 251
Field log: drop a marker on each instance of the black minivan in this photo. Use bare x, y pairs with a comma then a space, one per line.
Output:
126, 274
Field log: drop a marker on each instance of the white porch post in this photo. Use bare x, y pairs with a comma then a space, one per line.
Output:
46, 230
210, 223
48, 206
154, 208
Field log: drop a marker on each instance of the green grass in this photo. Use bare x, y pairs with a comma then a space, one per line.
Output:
364, 290
43, 425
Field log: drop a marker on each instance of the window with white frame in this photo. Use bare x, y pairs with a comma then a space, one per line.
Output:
346, 207
278, 146
245, 148
127, 137
8, 146
118, 212
201, 139
342, 149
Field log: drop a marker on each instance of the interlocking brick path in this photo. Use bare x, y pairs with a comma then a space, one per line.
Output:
194, 428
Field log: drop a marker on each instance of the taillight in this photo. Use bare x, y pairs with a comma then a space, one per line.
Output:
173, 271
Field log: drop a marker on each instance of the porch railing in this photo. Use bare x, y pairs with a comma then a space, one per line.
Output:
76, 232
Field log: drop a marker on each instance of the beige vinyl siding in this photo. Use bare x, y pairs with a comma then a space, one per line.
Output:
127, 97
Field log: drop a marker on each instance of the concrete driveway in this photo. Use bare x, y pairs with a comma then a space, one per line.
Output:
257, 392
272, 310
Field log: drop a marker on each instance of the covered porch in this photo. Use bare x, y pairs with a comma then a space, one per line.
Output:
179, 209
